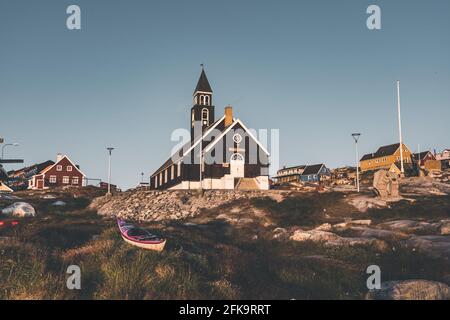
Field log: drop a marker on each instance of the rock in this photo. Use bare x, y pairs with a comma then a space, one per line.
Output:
324, 227
409, 226
348, 224
410, 290
332, 239
385, 184
59, 203
434, 246
314, 235
445, 227
387, 235
20, 209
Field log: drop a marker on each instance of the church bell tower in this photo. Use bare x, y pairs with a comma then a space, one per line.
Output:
202, 112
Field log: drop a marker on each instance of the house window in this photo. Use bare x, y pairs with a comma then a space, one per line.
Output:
205, 116
69, 168
65, 180
52, 179
75, 180
59, 168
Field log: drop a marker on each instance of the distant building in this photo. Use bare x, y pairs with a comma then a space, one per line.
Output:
444, 158
4, 188
421, 158
19, 179
62, 173
303, 173
384, 157
104, 185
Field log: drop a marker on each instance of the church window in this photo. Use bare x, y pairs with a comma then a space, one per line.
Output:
237, 138
205, 116
207, 100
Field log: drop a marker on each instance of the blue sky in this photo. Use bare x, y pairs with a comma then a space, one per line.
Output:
311, 69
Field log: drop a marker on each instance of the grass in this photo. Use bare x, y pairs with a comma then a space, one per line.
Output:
214, 261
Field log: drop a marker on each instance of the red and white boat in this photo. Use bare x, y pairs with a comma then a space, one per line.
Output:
139, 237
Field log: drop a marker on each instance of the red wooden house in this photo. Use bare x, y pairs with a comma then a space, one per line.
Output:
63, 173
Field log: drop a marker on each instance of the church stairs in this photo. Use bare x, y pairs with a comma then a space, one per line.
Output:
246, 184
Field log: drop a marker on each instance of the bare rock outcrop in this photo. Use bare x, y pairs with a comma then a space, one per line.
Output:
411, 290
165, 205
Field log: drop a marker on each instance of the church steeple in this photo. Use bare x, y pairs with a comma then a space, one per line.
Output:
203, 110
203, 91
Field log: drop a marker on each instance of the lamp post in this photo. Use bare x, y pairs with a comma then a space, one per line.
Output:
356, 138
109, 170
8, 144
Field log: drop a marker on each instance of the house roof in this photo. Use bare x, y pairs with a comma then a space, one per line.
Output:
291, 168
38, 167
3, 175
313, 169
382, 152
420, 156
62, 158
207, 144
203, 83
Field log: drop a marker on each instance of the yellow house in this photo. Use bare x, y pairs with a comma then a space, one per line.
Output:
385, 157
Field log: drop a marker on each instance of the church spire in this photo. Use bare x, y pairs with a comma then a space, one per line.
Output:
203, 83
203, 110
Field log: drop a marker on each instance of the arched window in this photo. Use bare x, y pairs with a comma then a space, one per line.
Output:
202, 100
205, 116
207, 100
237, 157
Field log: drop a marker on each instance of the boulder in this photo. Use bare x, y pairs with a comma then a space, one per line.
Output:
20, 209
409, 226
314, 235
445, 227
410, 290
324, 227
385, 184
59, 203
434, 246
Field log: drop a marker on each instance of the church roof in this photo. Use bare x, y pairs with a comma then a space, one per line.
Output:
208, 143
203, 83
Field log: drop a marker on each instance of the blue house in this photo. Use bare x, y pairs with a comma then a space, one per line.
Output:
304, 173
315, 173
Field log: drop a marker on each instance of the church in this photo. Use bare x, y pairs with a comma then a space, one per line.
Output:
222, 152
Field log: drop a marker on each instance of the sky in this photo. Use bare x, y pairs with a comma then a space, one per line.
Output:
311, 69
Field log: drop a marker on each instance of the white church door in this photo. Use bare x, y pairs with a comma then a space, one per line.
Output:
237, 165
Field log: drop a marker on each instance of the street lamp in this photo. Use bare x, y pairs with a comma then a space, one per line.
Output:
109, 169
8, 144
356, 137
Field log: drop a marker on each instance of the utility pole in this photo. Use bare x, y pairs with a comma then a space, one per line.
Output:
356, 137
400, 127
109, 170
